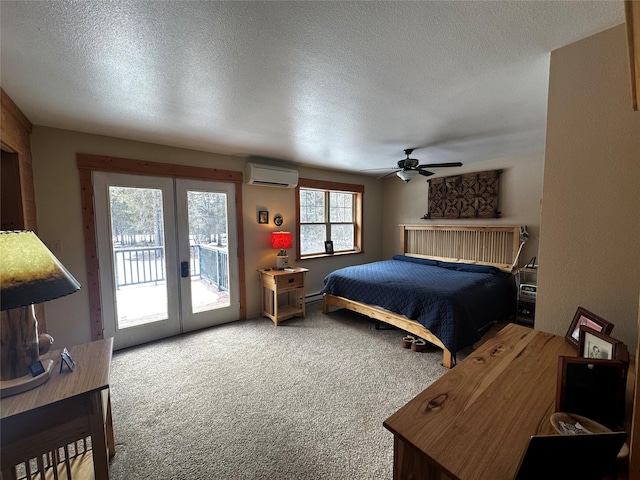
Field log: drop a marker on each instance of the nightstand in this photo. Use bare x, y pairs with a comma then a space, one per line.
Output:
282, 293
527, 289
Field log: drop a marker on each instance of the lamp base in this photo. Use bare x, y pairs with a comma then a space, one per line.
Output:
27, 382
282, 262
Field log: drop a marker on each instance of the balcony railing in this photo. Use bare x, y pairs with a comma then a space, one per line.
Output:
213, 264
135, 266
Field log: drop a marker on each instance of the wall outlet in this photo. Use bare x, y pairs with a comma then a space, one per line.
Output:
55, 246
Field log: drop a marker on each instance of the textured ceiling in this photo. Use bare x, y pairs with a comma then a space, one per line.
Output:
345, 85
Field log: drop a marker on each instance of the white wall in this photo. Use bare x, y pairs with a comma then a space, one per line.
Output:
590, 243
519, 200
57, 187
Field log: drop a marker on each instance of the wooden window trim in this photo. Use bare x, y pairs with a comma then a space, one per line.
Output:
324, 185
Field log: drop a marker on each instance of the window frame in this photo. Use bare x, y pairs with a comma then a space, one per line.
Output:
328, 186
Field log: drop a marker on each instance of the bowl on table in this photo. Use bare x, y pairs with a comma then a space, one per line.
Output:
572, 424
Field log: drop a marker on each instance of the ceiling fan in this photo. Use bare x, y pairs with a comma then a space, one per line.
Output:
409, 167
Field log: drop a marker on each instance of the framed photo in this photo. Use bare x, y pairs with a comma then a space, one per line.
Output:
592, 387
263, 216
588, 319
328, 247
595, 344
66, 359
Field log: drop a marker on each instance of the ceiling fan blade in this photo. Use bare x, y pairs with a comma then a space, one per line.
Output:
387, 174
426, 173
438, 165
373, 169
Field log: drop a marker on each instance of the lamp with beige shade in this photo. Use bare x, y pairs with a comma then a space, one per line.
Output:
29, 274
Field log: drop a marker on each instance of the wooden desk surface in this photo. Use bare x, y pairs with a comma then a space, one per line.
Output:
474, 422
93, 362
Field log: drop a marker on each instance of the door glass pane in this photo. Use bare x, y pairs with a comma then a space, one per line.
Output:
137, 233
209, 253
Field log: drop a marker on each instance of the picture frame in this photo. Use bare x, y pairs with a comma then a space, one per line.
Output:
595, 344
593, 388
67, 360
328, 247
589, 319
263, 217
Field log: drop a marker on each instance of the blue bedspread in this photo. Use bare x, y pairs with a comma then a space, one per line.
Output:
449, 301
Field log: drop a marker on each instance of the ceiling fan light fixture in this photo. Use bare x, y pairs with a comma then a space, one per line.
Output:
407, 175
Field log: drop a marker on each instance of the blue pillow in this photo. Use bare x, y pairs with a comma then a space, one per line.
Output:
470, 267
422, 261
449, 265
461, 267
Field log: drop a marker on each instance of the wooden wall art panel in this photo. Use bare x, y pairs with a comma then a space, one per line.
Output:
471, 195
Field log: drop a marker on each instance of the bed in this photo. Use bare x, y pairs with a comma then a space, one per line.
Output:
464, 284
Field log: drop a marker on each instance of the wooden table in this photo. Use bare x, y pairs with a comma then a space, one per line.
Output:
474, 422
68, 407
287, 282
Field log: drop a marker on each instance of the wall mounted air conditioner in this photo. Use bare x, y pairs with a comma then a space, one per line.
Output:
269, 176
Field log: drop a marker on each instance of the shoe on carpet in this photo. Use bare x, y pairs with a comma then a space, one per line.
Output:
407, 342
419, 345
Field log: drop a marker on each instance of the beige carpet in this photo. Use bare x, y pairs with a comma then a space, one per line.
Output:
247, 400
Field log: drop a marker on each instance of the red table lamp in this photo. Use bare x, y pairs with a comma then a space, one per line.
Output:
281, 241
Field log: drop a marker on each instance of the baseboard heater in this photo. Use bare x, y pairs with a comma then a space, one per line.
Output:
312, 298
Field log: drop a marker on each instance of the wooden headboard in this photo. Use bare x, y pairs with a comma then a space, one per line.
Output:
484, 245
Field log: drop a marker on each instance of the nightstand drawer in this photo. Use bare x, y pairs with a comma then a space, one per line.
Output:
293, 280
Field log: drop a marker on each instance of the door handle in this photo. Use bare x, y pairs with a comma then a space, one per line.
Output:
184, 269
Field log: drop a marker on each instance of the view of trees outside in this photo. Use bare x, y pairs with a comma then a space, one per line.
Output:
137, 229
137, 217
314, 220
313, 231
207, 218
341, 216
208, 231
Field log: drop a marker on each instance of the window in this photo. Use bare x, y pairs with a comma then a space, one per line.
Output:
328, 211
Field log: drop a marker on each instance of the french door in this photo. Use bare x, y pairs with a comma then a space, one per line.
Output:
167, 251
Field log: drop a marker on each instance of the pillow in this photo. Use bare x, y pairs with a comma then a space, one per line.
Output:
422, 261
461, 267
471, 267
449, 265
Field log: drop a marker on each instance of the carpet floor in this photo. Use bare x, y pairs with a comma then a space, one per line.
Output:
248, 400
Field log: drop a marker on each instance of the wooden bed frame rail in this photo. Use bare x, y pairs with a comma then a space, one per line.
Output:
400, 321
486, 245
